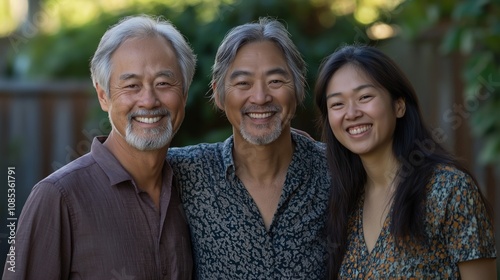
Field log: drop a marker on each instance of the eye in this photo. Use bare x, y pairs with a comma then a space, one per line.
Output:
366, 97
132, 86
243, 85
336, 105
275, 83
162, 84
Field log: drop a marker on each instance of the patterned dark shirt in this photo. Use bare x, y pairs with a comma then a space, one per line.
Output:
229, 238
457, 230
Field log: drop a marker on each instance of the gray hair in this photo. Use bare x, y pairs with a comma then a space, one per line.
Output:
139, 27
266, 29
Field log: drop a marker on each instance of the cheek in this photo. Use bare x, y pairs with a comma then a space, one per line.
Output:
180, 112
291, 107
335, 121
122, 102
176, 106
178, 119
119, 113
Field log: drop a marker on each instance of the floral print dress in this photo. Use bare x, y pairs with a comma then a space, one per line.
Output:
457, 226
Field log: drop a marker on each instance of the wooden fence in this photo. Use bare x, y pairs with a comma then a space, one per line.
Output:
439, 85
42, 127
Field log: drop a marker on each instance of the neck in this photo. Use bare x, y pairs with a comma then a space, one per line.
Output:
145, 167
263, 163
381, 170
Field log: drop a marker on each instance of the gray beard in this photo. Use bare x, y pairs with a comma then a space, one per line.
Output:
152, 139
155, 139
263, 139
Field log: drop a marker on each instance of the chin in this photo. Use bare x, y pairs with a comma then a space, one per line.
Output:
360, 151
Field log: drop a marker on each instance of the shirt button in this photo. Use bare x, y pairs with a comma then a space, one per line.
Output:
164, 271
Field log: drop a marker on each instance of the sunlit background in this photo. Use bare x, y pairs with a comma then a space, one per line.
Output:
56, 13
450, 49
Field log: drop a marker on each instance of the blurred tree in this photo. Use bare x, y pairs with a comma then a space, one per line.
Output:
471, 28
317, 27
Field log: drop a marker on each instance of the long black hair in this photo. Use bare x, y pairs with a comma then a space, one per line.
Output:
413, 146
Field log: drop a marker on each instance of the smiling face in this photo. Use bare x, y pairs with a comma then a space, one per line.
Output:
361, 114
146, 103
260, 96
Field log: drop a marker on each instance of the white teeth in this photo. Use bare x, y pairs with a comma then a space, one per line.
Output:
260, 115
359, 129
147, 120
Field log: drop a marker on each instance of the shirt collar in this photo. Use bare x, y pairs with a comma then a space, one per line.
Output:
114, 170
227, 156
301, 154
108, 162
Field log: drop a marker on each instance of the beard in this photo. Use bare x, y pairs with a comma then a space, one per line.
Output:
148, 139
272, 129
276, 129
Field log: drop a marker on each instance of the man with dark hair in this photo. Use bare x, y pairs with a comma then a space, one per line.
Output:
256, 203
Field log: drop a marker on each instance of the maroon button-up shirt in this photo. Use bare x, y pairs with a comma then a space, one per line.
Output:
89, 220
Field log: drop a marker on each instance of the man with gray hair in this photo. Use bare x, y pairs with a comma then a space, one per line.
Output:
114, 213
256, 203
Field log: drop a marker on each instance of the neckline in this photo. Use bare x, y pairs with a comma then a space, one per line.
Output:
382, 234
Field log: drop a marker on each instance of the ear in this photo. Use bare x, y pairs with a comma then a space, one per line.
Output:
103, 97
400, 107
216, 97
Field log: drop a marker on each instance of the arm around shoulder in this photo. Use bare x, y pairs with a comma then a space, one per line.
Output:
42, 245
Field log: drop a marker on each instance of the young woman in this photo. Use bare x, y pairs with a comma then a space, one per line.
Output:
401, 207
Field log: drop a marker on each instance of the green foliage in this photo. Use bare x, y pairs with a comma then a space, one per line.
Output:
67, 53
472, 27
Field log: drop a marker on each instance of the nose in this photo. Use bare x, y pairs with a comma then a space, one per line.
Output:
352, 111
148, 98
260, 93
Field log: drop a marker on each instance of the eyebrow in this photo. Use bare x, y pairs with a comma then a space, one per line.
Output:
238, 73
356, 89
127, 76
277, 70
163, 73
